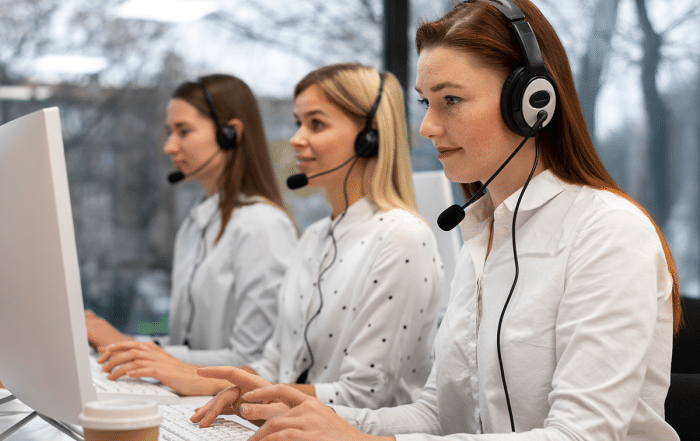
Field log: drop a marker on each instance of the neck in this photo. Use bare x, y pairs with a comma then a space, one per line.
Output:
354, 189
514, 175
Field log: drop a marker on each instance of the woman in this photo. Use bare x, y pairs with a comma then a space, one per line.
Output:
358, 305
233, 248
581, 349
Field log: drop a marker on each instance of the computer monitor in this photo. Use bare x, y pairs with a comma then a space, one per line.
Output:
43, 341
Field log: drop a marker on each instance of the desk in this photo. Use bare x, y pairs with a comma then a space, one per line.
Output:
39, 430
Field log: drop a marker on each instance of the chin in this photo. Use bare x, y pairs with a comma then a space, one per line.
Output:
454, 174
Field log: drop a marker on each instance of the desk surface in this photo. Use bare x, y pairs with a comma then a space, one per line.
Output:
39, 430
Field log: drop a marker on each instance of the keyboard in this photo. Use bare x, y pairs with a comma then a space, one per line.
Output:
126, 387
176, 426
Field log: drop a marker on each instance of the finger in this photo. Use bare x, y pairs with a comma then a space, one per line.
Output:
251, 411
199, 412
276, 393
216, 407
122, 370
234, 375
125, 345
124, 357
89, 314
147, 371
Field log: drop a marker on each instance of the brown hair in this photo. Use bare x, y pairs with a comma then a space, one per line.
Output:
247, 168
566, 148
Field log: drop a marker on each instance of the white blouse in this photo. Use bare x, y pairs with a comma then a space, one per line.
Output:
371, 341
223, 304
587, 335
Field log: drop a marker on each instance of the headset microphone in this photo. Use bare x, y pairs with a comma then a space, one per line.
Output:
453, 215
178, 176
299, 180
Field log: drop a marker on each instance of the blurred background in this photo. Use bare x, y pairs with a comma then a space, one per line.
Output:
110, 67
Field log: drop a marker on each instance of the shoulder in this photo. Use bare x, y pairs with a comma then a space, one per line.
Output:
611, 210
403, 227
609, 222
261, 218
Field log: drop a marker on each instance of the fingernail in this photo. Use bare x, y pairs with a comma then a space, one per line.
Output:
243, 409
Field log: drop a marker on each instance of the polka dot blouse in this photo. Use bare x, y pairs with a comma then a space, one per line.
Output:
380, 290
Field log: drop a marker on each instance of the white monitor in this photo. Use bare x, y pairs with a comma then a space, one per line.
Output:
43, 342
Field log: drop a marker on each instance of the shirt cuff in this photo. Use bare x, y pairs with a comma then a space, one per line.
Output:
325, 392
345, 413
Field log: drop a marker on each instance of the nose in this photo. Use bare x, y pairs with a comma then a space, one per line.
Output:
171, 145
298, 141
430, 127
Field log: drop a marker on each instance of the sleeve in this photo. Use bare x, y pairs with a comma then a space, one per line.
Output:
267, 366
419, 417
394, 322
262, 256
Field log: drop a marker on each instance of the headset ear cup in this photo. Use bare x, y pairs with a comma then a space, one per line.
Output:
511, 99
367, 143
226, 137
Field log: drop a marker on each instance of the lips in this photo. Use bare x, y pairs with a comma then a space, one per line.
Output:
444, 152
304, 160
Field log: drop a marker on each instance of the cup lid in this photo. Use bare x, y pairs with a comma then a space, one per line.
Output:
120, 414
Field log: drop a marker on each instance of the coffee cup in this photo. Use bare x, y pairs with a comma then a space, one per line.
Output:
121, 419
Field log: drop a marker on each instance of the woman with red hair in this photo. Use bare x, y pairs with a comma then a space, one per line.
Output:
565, 299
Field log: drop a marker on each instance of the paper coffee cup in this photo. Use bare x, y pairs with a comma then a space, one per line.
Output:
122, 420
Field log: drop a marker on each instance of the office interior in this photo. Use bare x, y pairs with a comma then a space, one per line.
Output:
110, 67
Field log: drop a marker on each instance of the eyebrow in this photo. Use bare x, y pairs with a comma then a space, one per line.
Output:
443, 85
310, 113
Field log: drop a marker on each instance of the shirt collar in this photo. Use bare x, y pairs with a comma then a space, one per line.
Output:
542, 188
361, 211
205, 210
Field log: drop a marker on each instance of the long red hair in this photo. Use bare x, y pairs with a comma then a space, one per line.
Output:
566, 147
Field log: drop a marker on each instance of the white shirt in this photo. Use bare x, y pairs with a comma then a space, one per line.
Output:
371, 341
229, 290
587, 335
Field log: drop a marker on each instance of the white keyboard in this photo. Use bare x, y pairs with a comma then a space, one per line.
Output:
176, 426
128, 387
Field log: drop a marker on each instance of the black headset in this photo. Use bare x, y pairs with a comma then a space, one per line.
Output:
367, 141
225, 135
529, 88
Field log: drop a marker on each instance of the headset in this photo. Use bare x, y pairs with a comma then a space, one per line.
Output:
225, 135
367, 141
366, 144
528, 102
528, 89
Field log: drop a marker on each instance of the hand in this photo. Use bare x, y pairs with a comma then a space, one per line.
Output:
136, 359
101, 333
307, 417
227, 402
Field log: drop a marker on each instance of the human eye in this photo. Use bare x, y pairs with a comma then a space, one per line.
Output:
423, 102
316, 124
452, 100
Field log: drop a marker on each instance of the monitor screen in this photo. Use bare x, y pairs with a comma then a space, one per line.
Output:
43, 341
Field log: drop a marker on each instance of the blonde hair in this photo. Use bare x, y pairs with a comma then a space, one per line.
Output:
353, 88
